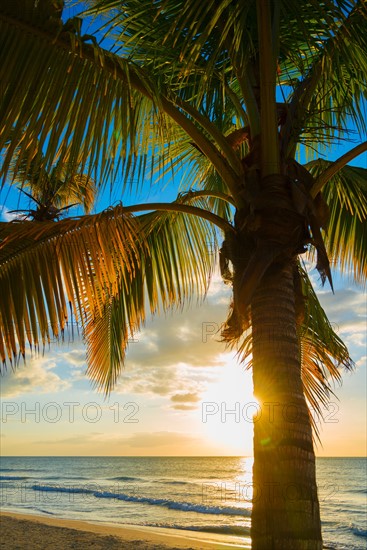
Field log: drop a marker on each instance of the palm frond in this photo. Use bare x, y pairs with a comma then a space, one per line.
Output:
202, 50
47, 265
330, 90
345, 236
43, 101
175, 265
80, 189
60, 188
128, 115
323, 354
111, 268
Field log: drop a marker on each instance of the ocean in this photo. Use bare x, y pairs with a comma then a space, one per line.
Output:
204, 494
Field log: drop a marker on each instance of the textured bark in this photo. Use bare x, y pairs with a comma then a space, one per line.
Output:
285, 512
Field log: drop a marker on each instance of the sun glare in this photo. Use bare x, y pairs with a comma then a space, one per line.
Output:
228, 408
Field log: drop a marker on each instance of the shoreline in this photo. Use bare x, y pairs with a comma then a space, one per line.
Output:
36, 531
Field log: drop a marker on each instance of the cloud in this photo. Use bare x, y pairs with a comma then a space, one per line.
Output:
362, 361
177, 353
6, 215
188, 337
159, 381
184, 397
346, 311
76, 361
182, 407
75, 357
74, 440
185, 401
36, 376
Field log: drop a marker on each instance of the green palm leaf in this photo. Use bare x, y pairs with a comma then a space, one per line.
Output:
56, 118
124, 120
175, 264
345, 236
212, 45
59, 189
329, 89
111, 268
47, 265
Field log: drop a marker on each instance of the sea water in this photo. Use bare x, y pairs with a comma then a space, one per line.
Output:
202, 494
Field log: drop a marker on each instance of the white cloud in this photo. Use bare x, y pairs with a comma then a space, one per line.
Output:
177, 353
158, 381
36, 376
6, 215
189, 337
75, 357
346, 311
362, 362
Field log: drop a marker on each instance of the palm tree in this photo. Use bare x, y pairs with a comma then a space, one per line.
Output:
231, 90
52, 193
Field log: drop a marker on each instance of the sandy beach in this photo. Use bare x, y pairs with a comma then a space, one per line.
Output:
21, 531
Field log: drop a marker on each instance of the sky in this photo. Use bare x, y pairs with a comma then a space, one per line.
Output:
181, 391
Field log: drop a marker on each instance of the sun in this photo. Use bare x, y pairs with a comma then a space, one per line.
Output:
229, 408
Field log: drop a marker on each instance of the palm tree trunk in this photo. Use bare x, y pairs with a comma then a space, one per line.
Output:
285, 512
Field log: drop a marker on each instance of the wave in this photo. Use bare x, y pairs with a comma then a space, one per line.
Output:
125, 478
45, 511
59, 489
13, 478
165, 503
340, 546
174, 505
234, 530
21, 470
65, 478
174, 482
359, 531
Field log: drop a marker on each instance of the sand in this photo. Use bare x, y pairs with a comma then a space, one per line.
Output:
28, 532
